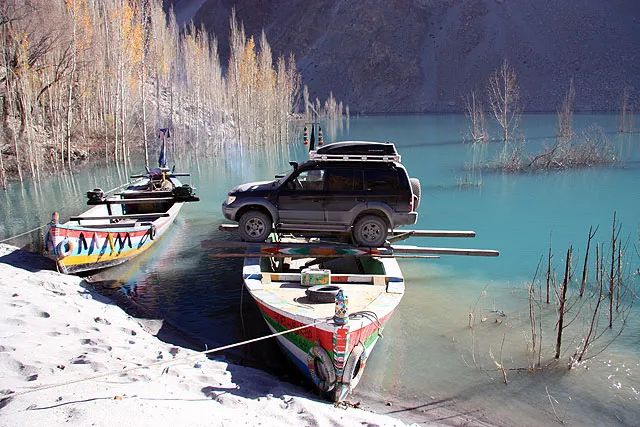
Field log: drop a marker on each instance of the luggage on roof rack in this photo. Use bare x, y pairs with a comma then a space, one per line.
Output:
357, 151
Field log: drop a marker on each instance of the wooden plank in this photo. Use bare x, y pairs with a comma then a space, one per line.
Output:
131, 201
414, 233
228, 227
402, 249
166, 173
305, 249
399, 251
145, 192
261, 255
106, 226
435, 233
132, 216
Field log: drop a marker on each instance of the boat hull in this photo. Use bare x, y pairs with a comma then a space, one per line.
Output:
77, 248
329, 349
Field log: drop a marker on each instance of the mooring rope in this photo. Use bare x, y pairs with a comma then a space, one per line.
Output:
22, 234
163, 362
42, 226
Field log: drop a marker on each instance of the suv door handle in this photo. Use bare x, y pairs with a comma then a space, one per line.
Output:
315, 200
359, 200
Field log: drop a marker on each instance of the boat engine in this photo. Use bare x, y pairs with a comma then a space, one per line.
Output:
95, 195
185, 193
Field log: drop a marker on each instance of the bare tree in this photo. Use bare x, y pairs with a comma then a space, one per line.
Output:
585, 267
625, 123
476, 120
504, 98
565, 117
51, 86
562, 302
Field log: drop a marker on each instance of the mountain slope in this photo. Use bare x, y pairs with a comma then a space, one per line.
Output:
426, 55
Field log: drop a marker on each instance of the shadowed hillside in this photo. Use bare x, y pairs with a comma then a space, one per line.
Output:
425, 55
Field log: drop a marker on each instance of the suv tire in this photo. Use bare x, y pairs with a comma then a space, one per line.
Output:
370, 231
254, 226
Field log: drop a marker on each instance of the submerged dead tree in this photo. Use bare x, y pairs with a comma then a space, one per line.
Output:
476, 121
585, 267
504, 98
609, 284
562, 301
565, 117
626, 120
591, 310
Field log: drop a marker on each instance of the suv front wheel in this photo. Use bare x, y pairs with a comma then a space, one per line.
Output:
254, 226
370, 231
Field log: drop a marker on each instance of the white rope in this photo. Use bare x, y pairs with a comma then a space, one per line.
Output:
42, 226
22, 234
164, 362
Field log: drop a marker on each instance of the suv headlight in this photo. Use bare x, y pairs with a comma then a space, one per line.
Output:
230, 199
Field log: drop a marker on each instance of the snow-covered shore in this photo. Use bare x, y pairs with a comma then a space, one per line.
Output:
69, 356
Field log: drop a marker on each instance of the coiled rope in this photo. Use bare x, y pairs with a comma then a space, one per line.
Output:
372, 316
160, 363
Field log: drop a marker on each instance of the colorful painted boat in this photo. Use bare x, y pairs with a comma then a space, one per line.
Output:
118, 227
335, 300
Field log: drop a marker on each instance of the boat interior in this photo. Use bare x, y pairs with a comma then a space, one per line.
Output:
343, 265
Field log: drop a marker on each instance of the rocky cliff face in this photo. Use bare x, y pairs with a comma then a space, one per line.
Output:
398, 56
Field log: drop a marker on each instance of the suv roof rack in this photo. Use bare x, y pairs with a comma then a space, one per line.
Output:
363, 151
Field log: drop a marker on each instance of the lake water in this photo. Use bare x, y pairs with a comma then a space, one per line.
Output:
429, 357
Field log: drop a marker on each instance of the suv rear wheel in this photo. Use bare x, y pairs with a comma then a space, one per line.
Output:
370, 231
254, 226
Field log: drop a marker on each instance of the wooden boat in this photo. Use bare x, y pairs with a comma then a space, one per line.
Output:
328, 301
335, 300
120, 226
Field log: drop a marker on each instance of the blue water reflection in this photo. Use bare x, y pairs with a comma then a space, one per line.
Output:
428, 351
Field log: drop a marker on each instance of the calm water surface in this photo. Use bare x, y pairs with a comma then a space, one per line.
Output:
429, 357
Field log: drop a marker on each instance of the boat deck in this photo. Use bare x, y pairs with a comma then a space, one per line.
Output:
368, 283
360, 297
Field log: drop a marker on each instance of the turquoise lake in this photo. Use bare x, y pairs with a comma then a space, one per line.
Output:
429, 356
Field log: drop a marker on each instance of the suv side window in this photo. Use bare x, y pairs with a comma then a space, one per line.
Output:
311, 180
342, 179
380, 180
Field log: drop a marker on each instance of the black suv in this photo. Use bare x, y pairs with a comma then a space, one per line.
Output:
346, 188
